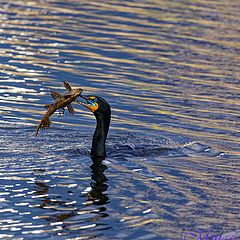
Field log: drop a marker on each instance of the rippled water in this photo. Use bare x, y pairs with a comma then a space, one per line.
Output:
170, 70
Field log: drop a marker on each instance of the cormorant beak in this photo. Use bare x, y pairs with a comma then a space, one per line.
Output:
90, 103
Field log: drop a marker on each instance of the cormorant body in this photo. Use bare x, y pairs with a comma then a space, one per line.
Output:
102, 112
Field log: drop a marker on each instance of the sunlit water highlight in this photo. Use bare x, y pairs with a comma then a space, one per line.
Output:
170, 70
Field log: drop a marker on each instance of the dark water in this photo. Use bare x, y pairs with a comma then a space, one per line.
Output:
170, 70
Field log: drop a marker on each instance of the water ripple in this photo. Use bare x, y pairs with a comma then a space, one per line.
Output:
170, 70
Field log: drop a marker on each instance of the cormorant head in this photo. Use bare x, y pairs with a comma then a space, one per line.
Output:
97, 105
102, 112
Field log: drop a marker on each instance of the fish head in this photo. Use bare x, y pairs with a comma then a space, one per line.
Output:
77, 92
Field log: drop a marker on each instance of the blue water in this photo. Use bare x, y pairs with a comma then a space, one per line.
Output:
170, 71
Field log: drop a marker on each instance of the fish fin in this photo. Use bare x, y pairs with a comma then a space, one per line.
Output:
44, 124
55, 95
70, 108
67, 85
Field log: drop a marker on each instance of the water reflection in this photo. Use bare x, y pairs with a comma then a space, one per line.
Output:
75, 215
99, 183
168, 68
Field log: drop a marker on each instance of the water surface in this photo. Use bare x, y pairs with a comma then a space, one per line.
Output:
170, 70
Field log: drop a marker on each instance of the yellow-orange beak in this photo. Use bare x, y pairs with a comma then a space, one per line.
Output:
90, 103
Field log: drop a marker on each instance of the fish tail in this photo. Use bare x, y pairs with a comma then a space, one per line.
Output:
44, 124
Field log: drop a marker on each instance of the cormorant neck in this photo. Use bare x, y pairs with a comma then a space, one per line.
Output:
100, 134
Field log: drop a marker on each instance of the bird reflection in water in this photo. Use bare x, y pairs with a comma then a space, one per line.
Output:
69, 213
99, 183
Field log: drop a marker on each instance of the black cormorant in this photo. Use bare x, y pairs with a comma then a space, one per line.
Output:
102, 112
